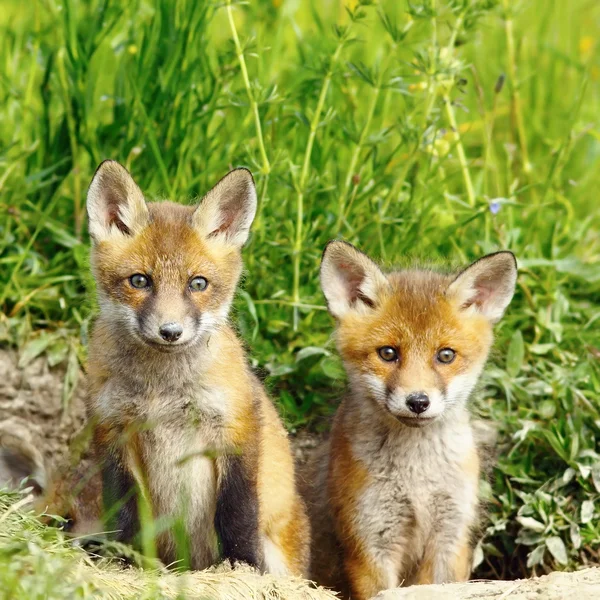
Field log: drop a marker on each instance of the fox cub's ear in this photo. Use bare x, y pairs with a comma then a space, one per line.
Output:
487, 285
349, 279
115, 203
227, 211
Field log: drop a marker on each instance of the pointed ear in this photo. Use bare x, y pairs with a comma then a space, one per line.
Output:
487, 286
227, 211
115, 204
350, 280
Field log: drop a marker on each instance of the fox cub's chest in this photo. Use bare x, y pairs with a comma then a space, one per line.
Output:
414, 484
177, 429
178, 442
191, 407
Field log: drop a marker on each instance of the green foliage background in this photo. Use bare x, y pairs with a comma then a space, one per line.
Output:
422, 131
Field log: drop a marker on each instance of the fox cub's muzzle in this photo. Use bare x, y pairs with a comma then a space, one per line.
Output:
171, 324
170, 332
417, 402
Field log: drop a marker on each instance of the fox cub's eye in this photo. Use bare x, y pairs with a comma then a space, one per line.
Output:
446, 355
139, 281
198, 284
387, 353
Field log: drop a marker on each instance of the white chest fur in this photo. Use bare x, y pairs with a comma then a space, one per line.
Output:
178, 429
417, 487
182, 483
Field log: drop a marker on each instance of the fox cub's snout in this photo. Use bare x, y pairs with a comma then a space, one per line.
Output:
415, 341
167, 273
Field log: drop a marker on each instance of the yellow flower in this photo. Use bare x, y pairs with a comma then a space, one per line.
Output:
442, 147
415, 87
132, 49
586, 45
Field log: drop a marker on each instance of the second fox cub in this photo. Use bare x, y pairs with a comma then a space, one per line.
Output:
399, 477
179, 418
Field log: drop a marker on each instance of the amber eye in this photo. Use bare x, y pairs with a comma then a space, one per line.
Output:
139, 281
388, 353
446, 355
198, 284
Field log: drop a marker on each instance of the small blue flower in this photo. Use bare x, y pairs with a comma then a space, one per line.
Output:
495, 207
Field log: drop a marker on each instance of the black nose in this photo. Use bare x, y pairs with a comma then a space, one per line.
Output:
170, 332
417, 402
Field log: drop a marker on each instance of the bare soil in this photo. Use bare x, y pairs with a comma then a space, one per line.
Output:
31, 404
581, 585
31, 407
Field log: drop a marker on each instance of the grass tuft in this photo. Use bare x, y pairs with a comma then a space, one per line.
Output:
40, 562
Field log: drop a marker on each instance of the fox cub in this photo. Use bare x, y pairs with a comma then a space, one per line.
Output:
179, 419
398, 479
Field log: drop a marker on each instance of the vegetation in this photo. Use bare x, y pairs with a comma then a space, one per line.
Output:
422, 130
39, 563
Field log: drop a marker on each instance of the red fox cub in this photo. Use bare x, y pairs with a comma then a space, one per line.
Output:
398, 479
180, 420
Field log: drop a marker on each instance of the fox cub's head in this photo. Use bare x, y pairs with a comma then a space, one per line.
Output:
415, 341
167, 273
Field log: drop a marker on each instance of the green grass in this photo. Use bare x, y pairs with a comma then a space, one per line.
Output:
40, 563
425, 130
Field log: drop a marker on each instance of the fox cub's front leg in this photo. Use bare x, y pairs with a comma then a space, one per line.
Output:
447, 563
366, 576
448, 553
120, 499
236, 517
371, 542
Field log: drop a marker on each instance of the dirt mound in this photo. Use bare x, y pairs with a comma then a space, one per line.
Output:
31, 400
581, 585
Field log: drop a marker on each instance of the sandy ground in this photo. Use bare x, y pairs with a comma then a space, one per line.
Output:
582, 585
31, 404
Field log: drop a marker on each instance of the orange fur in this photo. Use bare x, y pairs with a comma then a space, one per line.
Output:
425, 572
364, 578
149, 252
463, 562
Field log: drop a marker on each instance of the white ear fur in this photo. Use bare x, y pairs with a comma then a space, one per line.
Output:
115, 204
350, 280
486, 286
227, 211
